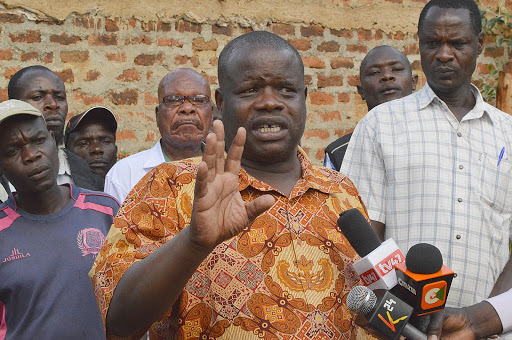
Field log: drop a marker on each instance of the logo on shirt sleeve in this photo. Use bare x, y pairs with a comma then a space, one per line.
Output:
90, 241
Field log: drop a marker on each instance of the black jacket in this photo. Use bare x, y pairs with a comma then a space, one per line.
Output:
82, 174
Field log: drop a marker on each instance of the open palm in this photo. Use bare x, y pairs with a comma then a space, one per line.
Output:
219, 212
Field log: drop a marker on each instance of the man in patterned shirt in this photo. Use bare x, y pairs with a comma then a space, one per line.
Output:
242, 247
434, 166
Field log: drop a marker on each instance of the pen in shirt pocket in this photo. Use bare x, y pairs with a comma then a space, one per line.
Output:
501, 155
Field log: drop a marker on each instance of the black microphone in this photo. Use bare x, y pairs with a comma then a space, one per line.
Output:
423, 280
376, 268
384, 312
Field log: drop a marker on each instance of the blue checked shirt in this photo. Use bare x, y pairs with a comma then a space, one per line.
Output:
433, 179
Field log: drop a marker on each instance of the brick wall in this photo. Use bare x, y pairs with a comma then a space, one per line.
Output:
117, 62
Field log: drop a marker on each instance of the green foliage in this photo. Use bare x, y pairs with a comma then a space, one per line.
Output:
497, 23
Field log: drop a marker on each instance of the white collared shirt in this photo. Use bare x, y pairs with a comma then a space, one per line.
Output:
502, 304
433, 179
123, 176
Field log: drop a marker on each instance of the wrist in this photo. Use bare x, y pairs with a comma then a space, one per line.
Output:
191, 242
485, 322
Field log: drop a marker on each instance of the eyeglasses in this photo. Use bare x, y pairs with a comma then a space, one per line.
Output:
175, 100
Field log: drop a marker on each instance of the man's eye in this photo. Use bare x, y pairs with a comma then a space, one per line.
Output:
107, 141
60, 98
82, 143
11, 152
398, 69
40, 140
37, 98
287, 90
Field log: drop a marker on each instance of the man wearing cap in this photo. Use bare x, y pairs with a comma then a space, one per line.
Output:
50, 235
43, 89
183, 115
92, 136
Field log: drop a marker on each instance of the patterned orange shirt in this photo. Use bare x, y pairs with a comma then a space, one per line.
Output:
286, 276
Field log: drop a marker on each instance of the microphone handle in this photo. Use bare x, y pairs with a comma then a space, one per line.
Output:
412, 333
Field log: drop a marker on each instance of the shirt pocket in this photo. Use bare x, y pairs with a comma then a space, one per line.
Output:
496, 183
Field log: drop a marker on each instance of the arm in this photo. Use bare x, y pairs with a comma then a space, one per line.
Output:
218, 214
473, 322
379, 228
504, 281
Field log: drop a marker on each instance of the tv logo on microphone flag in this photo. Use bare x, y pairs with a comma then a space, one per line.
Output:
434, 295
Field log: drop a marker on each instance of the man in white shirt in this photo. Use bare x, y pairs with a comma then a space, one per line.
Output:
183, 115
434, 166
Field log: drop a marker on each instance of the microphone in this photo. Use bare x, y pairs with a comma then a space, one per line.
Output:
376, 268
383, 312
423, 280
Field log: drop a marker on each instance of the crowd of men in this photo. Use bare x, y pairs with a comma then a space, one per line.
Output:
225, 229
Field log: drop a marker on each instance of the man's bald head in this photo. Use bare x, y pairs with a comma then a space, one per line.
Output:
376, 53
178, 75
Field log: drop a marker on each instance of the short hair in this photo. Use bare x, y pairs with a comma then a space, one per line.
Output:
470, 5
256, 39
380, 48
14, 87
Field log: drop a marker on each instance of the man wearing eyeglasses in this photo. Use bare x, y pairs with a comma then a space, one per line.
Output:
183, 116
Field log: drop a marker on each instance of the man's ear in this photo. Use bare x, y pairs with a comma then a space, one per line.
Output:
361, 92
414, 81
156, 112
219, 101
481, 42
305, 92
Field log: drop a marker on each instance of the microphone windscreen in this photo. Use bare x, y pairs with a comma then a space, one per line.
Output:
358, 232
424, 258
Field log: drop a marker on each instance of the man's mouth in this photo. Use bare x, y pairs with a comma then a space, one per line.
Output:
39, 172
389, 90
269, 128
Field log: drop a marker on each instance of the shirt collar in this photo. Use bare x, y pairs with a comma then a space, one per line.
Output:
64, 168
312, 177
155, 156
427, 96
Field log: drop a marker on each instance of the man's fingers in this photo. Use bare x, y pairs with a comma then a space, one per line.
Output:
201, 188
209, 155
435, 326
218, 129
258, 206
235, 152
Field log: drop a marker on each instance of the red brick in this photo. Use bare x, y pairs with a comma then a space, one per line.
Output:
28, 37
127, 97
357, 48
141, 39
320, 154
329, 46
398, 36
86, 23
129, 75
66, 75
364, 35
180, 60
9, 72
92, 75
416, 65
74, 56
169, 42
320, 98
6, 54
26, 56
396, 1
326, 81
148, 26
343, 97
224, 30
64, 39
11, 18
48, 58
212, 80
321, 134
330, 116
312, 31
195, 61
283, 29
111, 25
89, 100
116, 56
149, 99
150, 137
341, 132
247, 30
132, 22
308, 80
343, 33
163, 26
494, 52
484, 68
102, 40
148, 75
411, 49
313, 62
198, 44
126, 135
353, 80
149, 59
214, 61
300, 44
340, 62
187, 26
4, 95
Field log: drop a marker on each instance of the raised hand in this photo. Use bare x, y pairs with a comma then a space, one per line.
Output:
219, 212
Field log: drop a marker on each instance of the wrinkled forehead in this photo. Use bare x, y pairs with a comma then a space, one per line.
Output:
39, 76
183, 83
22, 122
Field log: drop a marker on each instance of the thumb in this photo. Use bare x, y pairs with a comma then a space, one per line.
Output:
258, 206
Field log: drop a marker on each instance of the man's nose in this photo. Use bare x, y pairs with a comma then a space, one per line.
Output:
444, 53
187, 107
96, 148
268, 100
50, 103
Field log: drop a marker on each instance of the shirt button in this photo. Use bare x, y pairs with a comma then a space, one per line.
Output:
460, 199
461, 167
458, 237
459, 134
